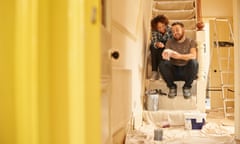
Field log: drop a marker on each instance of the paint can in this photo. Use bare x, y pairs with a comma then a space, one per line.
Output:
152, 102
158, 134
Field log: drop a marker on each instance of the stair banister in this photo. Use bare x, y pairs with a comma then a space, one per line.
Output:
200, 24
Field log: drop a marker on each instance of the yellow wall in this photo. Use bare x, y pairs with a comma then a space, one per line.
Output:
49, 94
7, 123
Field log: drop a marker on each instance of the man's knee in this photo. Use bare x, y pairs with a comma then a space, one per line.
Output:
165, 63
165, 67
194, 67
193, 63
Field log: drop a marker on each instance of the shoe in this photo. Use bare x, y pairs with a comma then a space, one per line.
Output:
172, 92
187, 93
154, 75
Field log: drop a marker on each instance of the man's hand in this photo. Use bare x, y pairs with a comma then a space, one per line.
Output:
159, 45
176, 55
167, 54
186, 57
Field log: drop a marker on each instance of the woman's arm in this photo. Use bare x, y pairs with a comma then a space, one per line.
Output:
154, 42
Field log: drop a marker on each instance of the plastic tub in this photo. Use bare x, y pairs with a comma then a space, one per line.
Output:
194, 120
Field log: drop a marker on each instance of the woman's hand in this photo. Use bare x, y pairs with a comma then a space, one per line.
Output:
160, 45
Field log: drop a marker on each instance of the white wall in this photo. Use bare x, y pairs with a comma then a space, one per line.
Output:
128, 32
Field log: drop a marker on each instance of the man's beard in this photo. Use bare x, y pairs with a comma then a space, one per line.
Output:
179, 38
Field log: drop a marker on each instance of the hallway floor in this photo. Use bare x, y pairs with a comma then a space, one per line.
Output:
217, 130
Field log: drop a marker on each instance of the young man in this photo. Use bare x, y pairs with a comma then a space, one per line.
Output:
161, 32
179, 62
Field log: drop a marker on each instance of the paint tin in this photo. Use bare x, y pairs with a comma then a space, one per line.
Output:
158, 134
152, 102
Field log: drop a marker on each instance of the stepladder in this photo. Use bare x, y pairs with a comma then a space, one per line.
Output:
223, 55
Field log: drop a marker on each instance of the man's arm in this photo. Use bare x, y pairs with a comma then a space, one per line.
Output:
186, 57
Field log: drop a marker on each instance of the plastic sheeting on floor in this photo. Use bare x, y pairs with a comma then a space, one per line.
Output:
211, 133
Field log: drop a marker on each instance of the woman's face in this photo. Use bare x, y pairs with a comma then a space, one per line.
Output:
161, 27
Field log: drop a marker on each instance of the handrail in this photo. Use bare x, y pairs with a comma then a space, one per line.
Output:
200, 24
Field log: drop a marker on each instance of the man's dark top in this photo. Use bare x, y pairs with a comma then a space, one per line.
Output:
183, 47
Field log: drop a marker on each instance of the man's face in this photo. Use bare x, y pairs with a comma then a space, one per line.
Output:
178, 32
161, 27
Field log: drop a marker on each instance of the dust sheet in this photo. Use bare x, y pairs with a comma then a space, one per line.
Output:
211, 133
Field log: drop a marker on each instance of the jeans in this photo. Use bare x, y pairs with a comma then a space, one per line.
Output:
156, 56
171, 73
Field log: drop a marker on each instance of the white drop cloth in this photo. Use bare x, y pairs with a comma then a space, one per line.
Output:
210, 134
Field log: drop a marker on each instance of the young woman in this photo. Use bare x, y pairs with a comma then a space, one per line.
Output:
161, 32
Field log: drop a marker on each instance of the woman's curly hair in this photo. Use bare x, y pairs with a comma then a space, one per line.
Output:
160, 18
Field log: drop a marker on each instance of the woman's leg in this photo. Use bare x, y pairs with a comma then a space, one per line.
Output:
155, 63
155, 58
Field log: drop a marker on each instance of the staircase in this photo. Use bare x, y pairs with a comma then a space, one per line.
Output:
178, 10
172, 109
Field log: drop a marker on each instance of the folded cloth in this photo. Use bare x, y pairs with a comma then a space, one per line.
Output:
215, 130
167, 53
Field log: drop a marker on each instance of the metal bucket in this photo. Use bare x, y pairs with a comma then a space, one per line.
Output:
152, 102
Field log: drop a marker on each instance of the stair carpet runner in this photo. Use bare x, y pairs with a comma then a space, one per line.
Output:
182, 11
178, 10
